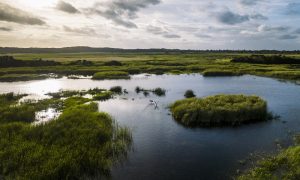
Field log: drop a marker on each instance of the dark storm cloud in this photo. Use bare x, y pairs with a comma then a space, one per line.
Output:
11, 14
231, 18
121, 12
66, 7
287, 37
248, 2
160, 31
5, 29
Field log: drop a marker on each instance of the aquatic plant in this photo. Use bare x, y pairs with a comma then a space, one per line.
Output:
81, 144
111, 75
116, 89
159, 91
103, 96
189, 94
219, 110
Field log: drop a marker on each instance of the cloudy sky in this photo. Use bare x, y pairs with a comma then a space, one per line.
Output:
189, 24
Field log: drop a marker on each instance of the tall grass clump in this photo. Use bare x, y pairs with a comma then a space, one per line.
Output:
189, 94
103, 96
116, 89
111, 75
219, 110
81, 144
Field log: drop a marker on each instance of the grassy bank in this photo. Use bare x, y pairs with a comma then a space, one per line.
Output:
284, 165
219, 110
81, 143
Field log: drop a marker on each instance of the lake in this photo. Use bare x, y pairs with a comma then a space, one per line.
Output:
162, 148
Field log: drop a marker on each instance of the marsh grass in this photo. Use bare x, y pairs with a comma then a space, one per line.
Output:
156, 91
111, 75
81, 143
284, 165
116, 89
189, 94
219, 110
103, 96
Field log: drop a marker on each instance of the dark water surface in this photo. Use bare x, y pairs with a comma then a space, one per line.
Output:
163, 149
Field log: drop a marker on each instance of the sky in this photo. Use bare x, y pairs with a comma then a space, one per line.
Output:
175, 24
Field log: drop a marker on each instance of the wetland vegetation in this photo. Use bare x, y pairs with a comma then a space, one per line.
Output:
100, 142
219, 110
81, 143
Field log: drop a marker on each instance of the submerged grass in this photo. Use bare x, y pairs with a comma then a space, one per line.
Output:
81, 144
219, 110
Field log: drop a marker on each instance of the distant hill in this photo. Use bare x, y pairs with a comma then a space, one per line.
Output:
86, 49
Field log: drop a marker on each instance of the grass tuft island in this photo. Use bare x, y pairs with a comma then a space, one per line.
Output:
219, 110
111, 75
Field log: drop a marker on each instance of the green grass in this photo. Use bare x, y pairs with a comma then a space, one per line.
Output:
81, 144
111, 75
103, 96
285, 165
219, 110
22, 77
209, 64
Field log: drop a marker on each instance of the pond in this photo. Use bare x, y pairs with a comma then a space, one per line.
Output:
162, 148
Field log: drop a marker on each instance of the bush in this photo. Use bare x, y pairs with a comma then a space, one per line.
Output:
219, 110
113, 63
81, 144
189, 94
111, 75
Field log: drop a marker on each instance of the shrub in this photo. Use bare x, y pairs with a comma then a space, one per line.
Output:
189, 94
111, 75
219, 110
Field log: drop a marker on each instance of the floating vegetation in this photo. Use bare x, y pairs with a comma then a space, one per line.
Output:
189, 94
111, 75
219, 110
159, 92
156, 91
116, 89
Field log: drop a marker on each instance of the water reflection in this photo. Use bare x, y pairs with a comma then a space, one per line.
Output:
165, 150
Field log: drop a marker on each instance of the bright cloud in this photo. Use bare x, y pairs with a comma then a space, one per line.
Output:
193, 24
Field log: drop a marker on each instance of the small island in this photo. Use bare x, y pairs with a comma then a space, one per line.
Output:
219, 110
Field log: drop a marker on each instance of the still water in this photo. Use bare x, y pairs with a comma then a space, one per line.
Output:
163, 149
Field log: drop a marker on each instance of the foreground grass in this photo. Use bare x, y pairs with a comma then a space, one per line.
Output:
81, 144
285, 165
219, 110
